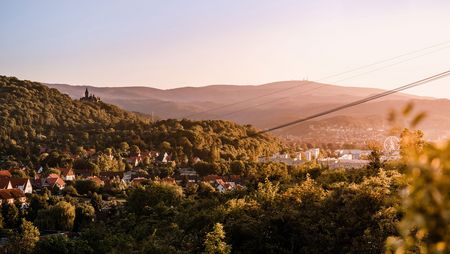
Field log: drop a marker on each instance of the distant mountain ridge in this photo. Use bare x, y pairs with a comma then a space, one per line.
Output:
280, 102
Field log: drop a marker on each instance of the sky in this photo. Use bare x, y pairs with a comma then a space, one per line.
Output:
174, 43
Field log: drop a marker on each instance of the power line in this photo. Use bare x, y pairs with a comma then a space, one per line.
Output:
351, 77
358, 102
321, 79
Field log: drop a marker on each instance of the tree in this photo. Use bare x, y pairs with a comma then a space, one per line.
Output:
37, 203
70, 190
154, 194
124, 148
165, 146
375, 162
24, 240
426, 203
61, 244
96, 201
85, 186
215, 241
84, 215
134, 150
58, 217
10, 214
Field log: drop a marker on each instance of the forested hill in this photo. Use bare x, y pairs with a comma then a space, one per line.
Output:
34, 118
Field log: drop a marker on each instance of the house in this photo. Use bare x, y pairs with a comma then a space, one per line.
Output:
186, 175
164, 158
5, 183
52, 181
67, 174
222, 186
5, 173
23, 184
9, 196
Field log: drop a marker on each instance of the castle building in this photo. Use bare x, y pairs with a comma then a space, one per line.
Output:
89, 97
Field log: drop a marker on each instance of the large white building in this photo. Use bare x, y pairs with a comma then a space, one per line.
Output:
312, 154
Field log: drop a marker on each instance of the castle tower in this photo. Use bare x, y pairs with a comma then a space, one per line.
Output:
86, 93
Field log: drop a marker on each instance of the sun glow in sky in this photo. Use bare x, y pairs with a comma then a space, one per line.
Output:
168, 44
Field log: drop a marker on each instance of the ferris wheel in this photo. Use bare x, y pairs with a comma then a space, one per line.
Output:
391, 144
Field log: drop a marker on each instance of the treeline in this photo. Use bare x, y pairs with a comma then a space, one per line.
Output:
35, 118
315, 210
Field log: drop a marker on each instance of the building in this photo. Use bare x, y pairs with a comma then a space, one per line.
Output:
5, 173
5, 183
352, 154
67, 174
53, 181
312, 154
9, 196
333, 163
89, 97
23, 184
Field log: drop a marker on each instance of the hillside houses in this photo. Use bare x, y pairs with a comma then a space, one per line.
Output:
224, 183
51, 182
10, 196
13, 189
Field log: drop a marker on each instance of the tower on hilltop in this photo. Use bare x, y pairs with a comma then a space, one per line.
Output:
89, 97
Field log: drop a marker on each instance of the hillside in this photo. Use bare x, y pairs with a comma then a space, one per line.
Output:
34, 118
281, 103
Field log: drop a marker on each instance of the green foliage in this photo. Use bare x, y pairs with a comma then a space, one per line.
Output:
24, 239
69, 190
84, 215
84, 187
10, 214
35, 117
37, 202
61, 244
96, 201
60, 216
214, 241
142, 199
425, 225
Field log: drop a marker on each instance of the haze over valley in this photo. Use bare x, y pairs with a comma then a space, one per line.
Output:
267, 105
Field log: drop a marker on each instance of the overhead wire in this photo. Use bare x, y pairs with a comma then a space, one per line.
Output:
357, 102
348, 78
321, 79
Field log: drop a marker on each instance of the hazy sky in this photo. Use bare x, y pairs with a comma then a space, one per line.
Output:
171, 43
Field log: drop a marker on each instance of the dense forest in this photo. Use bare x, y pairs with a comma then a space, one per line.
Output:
386, 207
34, 117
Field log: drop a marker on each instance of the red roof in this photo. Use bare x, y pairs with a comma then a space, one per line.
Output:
16, 182
11, 193
4, 182
5, 173
55, 181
